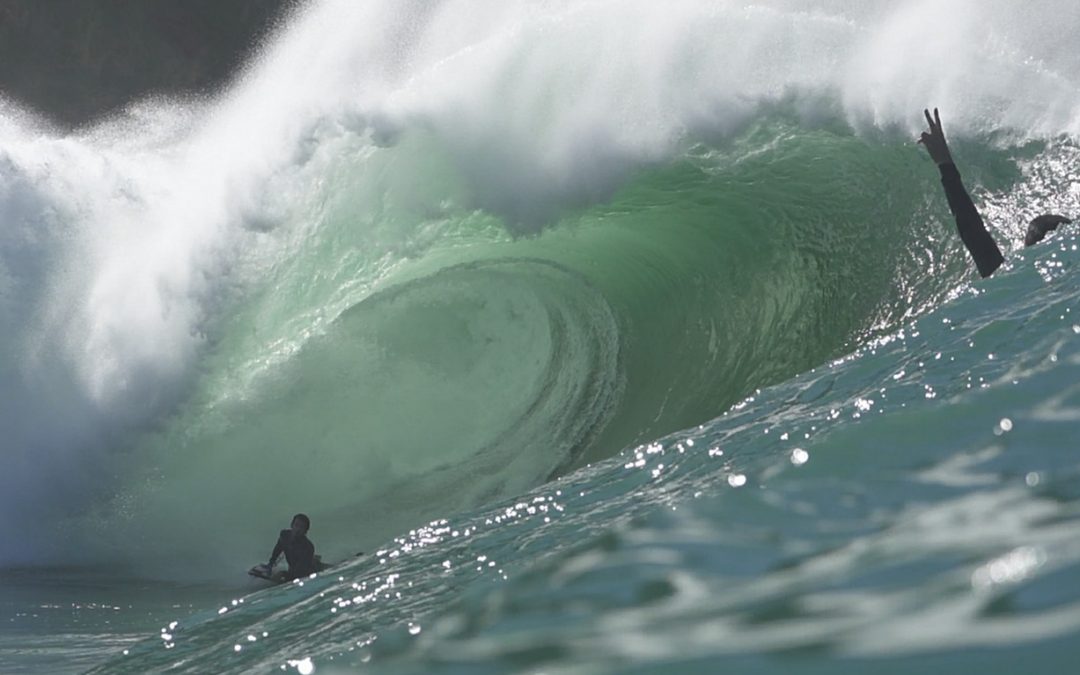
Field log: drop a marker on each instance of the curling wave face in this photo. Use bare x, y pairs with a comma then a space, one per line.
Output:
423, 256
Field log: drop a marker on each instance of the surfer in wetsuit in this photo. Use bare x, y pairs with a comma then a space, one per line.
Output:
298, 549
968, 221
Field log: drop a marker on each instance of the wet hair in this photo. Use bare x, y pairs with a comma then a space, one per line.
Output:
304, 519
1038, 227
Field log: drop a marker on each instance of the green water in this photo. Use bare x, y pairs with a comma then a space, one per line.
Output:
480, 364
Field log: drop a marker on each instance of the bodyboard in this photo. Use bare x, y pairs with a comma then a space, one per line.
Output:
259, 571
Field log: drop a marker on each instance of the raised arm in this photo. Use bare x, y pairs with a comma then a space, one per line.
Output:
968, 221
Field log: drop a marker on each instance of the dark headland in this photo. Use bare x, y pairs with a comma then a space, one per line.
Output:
76, 61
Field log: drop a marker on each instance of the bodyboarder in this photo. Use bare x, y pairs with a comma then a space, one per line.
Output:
298, 550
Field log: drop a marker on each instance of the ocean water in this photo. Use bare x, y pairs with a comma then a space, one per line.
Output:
621, 336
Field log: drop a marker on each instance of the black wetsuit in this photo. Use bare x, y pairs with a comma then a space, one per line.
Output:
299, 553
970, 224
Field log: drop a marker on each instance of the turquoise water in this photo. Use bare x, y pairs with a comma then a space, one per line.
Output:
622, 341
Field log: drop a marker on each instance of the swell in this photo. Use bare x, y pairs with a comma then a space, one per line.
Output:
483, 365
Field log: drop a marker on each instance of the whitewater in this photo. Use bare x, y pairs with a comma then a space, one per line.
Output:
621, 336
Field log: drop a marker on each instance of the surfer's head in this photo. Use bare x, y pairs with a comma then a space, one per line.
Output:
300, 524
1038, 227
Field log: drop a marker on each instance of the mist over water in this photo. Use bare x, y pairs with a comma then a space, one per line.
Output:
423, 256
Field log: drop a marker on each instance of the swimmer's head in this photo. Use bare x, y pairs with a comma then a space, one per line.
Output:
300, 524
1038, 227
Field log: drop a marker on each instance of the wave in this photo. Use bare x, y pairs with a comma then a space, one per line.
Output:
421, 256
